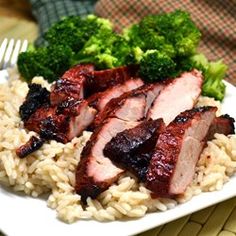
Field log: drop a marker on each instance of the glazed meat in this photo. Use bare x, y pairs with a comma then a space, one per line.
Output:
149, 91
222, 125
98, 81
33, 123
132, 148
124, 107
95, 172
177, 151
99, 100
32, 145
177, 96
63, 122
37, 97
71, 84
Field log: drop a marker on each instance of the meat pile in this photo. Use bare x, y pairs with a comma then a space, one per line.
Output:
150, 130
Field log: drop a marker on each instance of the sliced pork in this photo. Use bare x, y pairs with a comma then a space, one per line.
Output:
177, 96
95, 172
98, 81
132, 148
71, 84
149, 91
63, 122
71, 118
99, 100
222, 125
177, 151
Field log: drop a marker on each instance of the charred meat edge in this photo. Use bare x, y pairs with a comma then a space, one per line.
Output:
223, 125
100, 99
170, 170
88, 184
132, 148
150, 91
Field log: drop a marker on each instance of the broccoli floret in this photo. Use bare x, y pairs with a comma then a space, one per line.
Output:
49, 62
173, 34
74, 31
156, 66
135, 55
213, 85
179, 30
214, 73
106, 49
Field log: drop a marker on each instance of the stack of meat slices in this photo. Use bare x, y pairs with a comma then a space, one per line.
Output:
151, 130
71, 106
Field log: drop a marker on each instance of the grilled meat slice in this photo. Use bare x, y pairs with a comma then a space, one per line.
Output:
95, 172
63, 122
124, 107
177, 150
132, 148
37, 97
222, 125
177, 96
98, 81
71, 84
99, 100
69, 121
149, 91
32, 145
34, 121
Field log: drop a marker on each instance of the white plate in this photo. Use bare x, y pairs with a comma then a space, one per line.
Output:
25, 216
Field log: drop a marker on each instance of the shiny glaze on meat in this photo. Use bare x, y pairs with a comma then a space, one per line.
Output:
95, 172
149, 91
178, 148
71, 84
100, 99
32, 145
98, 81
223, 125
37, 97
132, 148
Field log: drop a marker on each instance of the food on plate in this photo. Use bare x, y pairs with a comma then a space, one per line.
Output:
183, 93
132, 148
71, 84
101, 99
115, 106
177, 151
52, 168
95, 172
223, 124
112, 135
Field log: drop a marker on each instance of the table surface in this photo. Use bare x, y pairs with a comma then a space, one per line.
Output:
17, 22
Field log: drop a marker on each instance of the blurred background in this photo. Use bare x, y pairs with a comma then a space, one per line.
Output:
16, 20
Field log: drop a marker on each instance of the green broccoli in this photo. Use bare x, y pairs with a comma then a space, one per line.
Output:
214, 73
64, 40
49, 62
179, 30
74, 31
174, 34
106, 49
213, 85
155, 66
